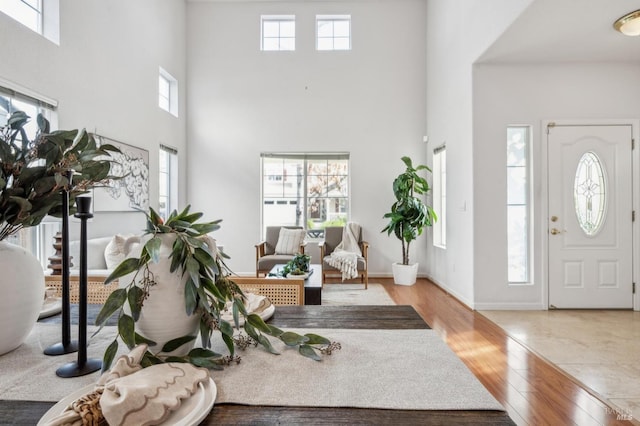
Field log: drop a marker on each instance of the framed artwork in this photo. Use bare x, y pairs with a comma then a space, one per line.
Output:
131, 193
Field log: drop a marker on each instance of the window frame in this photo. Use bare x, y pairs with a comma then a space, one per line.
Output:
281, 46
36, 239
332, 19
439, 191
525, 204
169, 176
47, 22
172, 95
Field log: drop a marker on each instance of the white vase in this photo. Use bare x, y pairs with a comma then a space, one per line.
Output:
163, 317
404, 274
22, 285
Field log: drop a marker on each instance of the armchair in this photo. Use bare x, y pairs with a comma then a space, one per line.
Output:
333, 237
280, 245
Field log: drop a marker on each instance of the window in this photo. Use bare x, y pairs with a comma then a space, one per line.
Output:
333, 32
278, 32
38, 239
440, 196
167, 92
27, 12
168, 181
518, 204
309, 190
33, 14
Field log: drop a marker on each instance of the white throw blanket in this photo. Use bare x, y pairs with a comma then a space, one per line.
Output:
345, 256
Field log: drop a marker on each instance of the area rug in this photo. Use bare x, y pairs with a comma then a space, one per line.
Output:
355, 294
394, 369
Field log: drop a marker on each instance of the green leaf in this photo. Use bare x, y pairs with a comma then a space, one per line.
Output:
135, 297
109, 354
267, 344
141, 339
114, 302
174, 344
127, 266
206, 363
309, 352
228, 340
203, 353
314, 339
292, 339
153, 248
226, 328
126, 329
257, 322
190, 297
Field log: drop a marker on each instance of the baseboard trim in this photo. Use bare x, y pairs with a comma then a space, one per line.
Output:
509, 306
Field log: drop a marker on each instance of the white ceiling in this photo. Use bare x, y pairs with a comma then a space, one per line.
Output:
567, 31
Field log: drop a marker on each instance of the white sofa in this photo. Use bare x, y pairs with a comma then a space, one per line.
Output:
103, 253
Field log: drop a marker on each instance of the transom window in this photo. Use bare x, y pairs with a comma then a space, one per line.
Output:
167, 92
42, 17
278, 32
309, 190
333, 32
27, 12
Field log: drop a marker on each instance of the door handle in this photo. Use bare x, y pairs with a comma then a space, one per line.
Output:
555, 231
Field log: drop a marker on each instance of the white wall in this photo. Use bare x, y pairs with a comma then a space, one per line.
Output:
458, 31
369, 101
511, 94
104, 75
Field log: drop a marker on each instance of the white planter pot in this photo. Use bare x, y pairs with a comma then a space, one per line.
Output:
405, 274
163, 317
22, 285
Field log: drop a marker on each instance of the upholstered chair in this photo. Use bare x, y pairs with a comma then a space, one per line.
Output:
333, 237
280, 245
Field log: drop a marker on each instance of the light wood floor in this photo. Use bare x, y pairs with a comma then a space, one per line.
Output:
532, 390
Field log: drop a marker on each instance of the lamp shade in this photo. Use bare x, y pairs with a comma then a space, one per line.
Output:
629, 24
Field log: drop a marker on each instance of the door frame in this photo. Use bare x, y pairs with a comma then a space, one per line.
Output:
543, 211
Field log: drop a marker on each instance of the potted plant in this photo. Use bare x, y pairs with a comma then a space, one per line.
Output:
33, 174
408, 217
180, 276
298, 266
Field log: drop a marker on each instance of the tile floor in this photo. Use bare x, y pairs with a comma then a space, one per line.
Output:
601, 349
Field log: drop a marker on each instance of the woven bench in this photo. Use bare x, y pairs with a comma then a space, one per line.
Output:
97, 292
280, 291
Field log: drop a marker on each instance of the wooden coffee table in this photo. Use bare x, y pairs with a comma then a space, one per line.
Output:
312, 285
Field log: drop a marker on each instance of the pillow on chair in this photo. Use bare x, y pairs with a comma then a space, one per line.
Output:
289, 241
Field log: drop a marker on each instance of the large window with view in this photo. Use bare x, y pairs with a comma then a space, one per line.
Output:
278, 32
39, 239
518, 205
309, 190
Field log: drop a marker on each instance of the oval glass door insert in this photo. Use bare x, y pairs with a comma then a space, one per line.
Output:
589, 193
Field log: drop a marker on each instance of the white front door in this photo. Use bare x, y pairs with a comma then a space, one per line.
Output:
590, 216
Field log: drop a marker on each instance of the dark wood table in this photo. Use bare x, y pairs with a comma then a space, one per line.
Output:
361, 317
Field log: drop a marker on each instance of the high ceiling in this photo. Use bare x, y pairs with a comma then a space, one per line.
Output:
567, 31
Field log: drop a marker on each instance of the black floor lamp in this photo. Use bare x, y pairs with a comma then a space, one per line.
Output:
83, 365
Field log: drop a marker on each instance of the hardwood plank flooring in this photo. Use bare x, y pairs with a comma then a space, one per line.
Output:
533, 391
